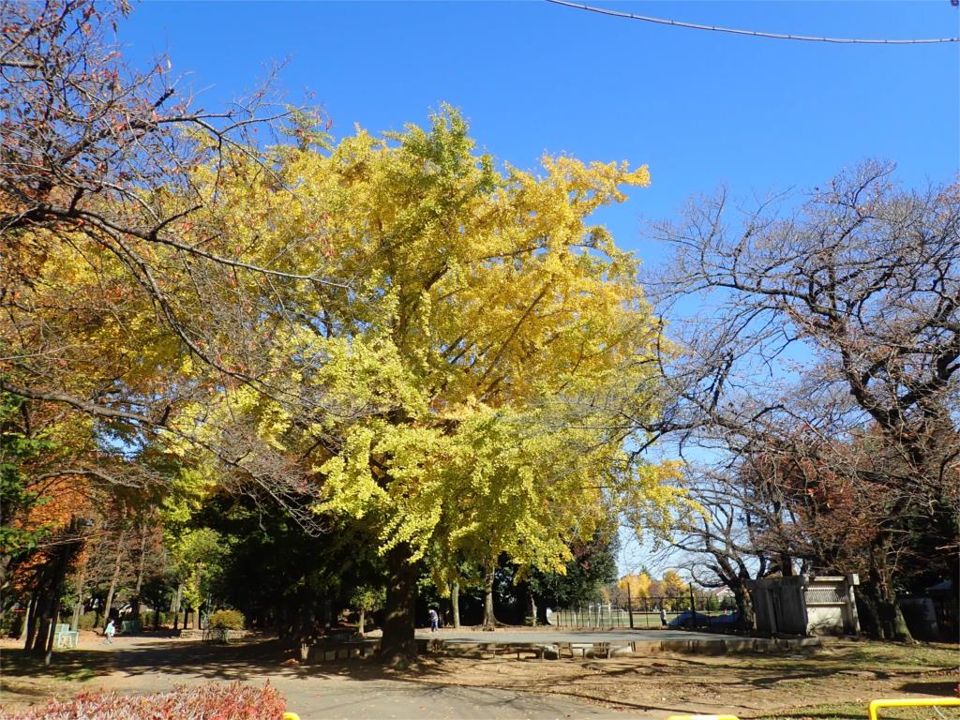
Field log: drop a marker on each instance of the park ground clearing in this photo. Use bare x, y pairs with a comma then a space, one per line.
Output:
836, 681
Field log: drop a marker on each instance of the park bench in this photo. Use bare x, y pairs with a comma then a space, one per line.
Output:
518, 648
601, 649
569, 647
64, 637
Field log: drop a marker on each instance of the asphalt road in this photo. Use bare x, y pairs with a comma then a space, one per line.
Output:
322, 691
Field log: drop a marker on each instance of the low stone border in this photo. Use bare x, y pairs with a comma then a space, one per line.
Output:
346, 649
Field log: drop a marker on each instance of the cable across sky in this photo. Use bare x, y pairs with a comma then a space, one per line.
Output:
753, 33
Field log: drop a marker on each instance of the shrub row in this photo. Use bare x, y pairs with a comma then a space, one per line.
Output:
222, 701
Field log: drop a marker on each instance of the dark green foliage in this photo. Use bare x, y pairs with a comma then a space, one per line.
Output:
16, 499
594, 565
281, 577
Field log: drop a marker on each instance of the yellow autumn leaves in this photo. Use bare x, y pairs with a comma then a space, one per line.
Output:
469, 392
444, 347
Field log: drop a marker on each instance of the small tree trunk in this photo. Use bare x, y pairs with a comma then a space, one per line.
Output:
54, 619
489, 619
455, 602
139, 583
5, 560
108, 605
399, 643
363, 620
78, 606
27, 618
31, 629
176, 608
532, 608
44, 627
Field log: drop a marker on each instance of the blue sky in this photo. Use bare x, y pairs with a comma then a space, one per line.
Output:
700, 108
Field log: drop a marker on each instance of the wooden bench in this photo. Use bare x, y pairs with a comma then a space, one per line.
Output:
64, 637
569, 647
602, 649
518, 648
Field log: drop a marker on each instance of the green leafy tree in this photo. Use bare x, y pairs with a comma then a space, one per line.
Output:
366, 599
16, 496
594, 564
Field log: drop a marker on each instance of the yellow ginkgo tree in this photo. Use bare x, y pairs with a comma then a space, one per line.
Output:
465, 389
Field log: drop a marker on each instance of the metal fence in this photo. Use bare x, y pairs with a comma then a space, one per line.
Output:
640, 615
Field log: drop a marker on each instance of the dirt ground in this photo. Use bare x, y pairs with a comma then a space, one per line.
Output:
835, 682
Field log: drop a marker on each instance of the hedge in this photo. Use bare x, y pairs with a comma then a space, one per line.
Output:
220, 701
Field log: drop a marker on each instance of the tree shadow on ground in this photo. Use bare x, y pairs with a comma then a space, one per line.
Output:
947, 688
236, 661
259, 660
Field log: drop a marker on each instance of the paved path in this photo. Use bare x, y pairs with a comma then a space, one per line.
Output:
392, 699
354, 691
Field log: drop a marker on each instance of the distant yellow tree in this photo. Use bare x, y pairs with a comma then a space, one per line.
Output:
673, 584
638, 585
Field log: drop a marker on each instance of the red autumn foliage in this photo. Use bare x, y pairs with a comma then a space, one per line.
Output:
221, 701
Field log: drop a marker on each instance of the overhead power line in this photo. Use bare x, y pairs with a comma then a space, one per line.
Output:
753, 33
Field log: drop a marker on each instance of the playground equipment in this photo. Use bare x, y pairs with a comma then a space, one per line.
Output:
912, 702
873, 710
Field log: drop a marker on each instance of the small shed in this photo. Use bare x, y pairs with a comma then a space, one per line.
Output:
806, 605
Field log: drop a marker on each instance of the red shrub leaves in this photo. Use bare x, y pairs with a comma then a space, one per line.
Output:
221, 701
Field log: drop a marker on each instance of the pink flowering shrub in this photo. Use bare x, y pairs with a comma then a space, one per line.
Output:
220, 701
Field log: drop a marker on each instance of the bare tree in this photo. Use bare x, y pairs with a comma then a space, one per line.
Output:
829, 337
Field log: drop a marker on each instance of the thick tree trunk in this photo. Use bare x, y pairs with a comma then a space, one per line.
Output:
748, 618
399, 643
489, 619
47, 606
114, 579
455, 602
891, 621
870, 616
48, 592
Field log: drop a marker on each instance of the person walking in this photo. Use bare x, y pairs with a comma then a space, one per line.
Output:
663, 616
434, 620
108, 632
